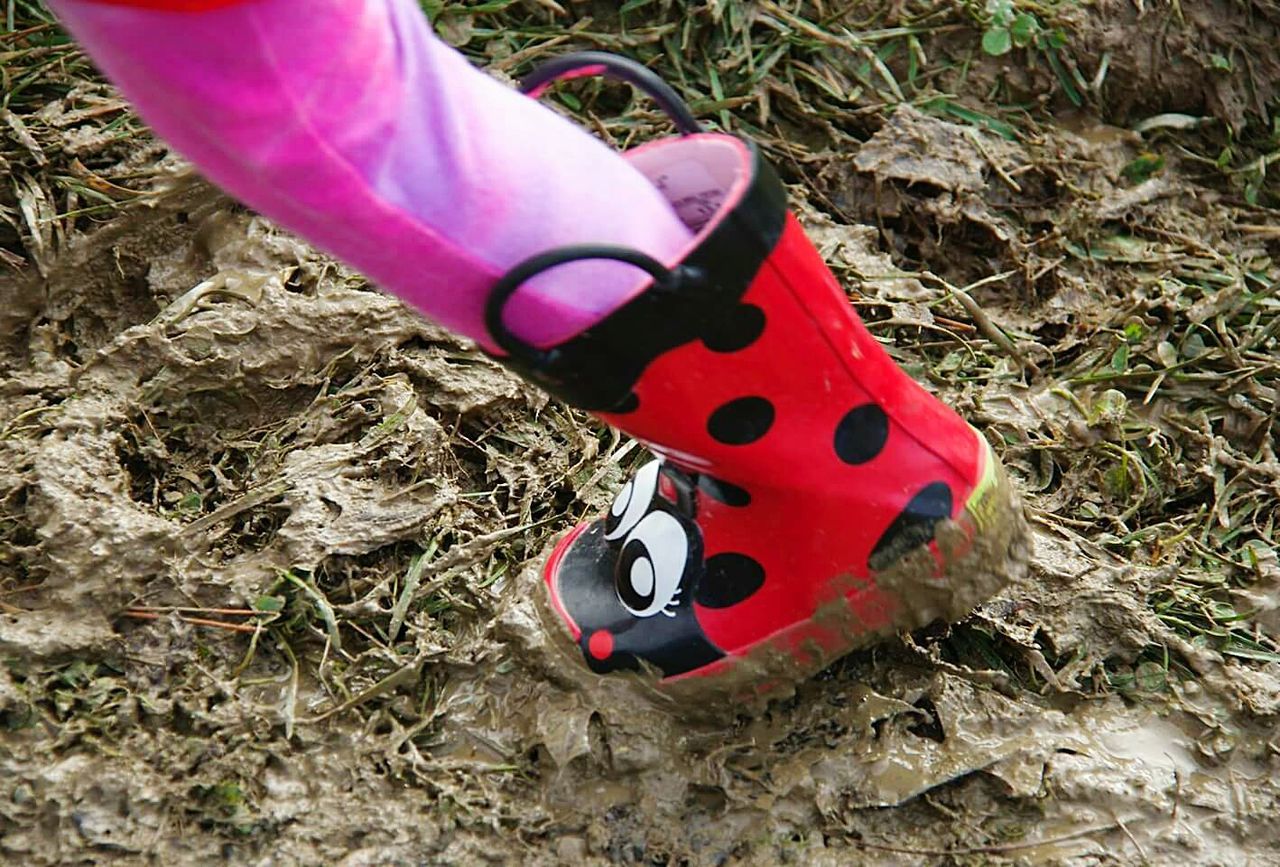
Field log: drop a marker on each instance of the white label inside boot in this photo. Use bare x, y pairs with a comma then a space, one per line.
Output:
692, 190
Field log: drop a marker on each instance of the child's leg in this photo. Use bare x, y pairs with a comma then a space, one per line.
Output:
350, 123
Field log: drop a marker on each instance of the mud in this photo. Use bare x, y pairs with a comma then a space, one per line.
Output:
476, 736
201, 419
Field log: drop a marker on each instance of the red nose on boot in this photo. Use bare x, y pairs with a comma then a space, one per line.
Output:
808, 496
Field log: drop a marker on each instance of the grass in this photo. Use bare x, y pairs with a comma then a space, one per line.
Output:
1144, 343
807, 79
58, 179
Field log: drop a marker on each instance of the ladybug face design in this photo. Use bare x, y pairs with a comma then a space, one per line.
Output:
808, 495
797, 464
628, 583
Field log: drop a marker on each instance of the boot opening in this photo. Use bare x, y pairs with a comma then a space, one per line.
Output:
702, 176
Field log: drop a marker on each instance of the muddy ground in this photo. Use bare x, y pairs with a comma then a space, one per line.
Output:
268, 540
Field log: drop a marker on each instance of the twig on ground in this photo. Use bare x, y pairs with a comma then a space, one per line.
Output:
135, 614
994, 847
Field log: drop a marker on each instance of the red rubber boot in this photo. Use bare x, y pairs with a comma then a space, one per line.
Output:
807, 496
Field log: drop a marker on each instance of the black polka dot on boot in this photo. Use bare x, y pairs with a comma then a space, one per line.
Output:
741, 421
630, 403
723, 492
861, 434
728, 580
914, 527
737, 329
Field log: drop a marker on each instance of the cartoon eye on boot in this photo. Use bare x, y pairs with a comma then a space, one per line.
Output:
652, 565
812, 497
633, 502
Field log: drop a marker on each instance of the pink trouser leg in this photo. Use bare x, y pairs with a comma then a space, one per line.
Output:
350, 123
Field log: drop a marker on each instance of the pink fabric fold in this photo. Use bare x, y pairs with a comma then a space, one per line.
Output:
351, 124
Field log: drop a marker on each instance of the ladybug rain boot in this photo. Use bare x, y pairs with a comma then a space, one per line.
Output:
807, 496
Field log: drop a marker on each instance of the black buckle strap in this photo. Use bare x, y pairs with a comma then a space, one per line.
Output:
583, 63
664, 281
